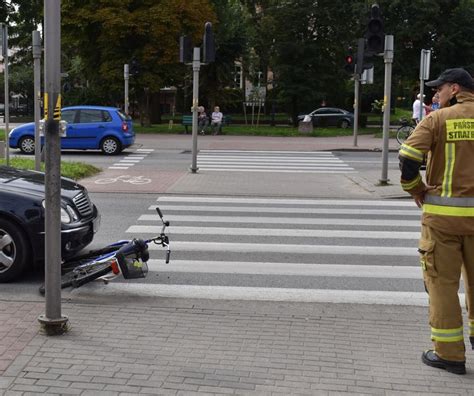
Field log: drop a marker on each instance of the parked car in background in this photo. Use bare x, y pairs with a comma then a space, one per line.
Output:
22, 220
88, 128
330, 116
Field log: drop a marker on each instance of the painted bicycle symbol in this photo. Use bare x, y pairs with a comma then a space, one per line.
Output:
125, 179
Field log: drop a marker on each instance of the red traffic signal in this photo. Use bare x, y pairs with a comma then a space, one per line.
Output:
349, 65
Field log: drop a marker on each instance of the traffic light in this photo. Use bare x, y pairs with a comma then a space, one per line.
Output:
209, 50
349, 61
375, 35
185, 49
134, 67
363, 61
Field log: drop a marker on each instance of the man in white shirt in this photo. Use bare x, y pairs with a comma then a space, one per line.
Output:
216, 120
416, 109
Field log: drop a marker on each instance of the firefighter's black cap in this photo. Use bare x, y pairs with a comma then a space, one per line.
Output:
457, 75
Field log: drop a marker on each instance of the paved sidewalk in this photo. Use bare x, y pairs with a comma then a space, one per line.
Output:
185, 347
228, 142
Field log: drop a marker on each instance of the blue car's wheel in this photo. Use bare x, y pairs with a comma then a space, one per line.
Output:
110, 146
27, 145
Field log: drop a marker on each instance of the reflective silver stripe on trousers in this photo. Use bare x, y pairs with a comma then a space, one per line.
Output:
464, 202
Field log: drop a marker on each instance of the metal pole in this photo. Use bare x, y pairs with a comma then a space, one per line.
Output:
356, 106
37, 95
7, 93
425, 59
52, 320
126, 76
194, 108
388, 59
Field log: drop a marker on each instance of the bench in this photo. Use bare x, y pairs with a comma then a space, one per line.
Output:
187, 121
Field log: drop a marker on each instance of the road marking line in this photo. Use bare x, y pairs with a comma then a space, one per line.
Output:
296, 269
277, 232
288, 201
228, 247
252, 209
254, 294
205, 219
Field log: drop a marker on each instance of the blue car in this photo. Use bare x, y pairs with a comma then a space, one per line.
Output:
88, 128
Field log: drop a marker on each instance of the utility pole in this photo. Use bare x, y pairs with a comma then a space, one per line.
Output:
6, 111
37, 95
126, 77
388, 59
52, 321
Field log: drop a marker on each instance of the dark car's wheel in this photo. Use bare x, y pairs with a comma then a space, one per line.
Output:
110, 146
13, 251
344, 124
27, 144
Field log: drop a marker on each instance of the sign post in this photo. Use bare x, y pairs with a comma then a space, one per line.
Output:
6, 108
37, 95
388, 59
126, 77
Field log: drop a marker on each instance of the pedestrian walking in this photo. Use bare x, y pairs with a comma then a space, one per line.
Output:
447, 200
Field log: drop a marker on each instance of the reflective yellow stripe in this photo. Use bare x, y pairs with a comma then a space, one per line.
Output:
450, 158
57, 109
45, 105
411, 152
448, 210
447, 335
411, 184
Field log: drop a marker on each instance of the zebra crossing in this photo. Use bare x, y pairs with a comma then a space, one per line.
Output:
343, 251
131, 159
271, 161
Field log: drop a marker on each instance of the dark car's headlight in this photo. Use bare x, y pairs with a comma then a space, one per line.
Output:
68, 214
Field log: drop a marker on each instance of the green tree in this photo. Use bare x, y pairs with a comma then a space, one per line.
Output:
106, 34
230, 32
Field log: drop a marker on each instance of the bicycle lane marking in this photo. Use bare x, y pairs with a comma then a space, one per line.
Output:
133, 181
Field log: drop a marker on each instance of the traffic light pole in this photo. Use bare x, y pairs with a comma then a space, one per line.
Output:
52, 321
194, 108
388, 59
356, 106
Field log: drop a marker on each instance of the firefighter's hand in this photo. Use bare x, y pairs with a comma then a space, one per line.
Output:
420, 198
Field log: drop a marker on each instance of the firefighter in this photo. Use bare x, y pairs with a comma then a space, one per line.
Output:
446, 137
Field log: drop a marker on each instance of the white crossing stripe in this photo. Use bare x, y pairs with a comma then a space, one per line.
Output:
205, 219
125, 290
253, 209
229, 247
275, 232
295, 269
271, 161
289, 201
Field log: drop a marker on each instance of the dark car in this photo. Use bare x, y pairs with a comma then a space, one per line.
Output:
330, 116
88, 128
22, 220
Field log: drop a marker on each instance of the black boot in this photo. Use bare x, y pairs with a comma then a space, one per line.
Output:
431, 359
471, 338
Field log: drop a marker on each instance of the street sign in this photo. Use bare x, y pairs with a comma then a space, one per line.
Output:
425, 59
